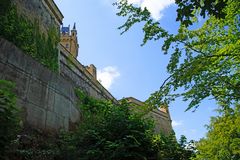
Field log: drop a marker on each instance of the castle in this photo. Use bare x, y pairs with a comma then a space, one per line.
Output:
70, 43
48, 99
69, 40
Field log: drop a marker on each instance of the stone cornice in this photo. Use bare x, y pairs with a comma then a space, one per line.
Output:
52, 7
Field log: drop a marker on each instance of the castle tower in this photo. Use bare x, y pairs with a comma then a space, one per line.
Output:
69, 40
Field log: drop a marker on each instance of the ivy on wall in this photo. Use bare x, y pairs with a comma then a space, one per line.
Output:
27, 36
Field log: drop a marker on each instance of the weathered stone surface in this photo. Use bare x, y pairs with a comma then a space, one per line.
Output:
41, 72
4, 50
46, 98
22, 85
50, 99
37, 93
66, 123
62, 105
17, 60
63, 86
1, 70
54, 122
36, 116
39, 10
19, 78
74, 114
162, 121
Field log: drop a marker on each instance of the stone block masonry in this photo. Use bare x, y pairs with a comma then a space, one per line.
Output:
47, 99
73, 71
44, 11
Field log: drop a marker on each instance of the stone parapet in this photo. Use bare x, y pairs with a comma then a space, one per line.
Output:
53, 10
74, 71
160, 116
45, 12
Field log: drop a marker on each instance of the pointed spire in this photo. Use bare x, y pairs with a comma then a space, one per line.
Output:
74, 27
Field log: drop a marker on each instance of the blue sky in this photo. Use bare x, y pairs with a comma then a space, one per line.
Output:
124, 67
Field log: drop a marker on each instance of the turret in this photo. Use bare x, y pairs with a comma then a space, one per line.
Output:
92, 70
69, 40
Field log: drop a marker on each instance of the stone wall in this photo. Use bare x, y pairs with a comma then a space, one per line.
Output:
48, 100
73, 71
160, 116
162, 121
44, 11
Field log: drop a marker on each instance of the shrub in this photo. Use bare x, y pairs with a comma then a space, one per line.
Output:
9, 116
109, 131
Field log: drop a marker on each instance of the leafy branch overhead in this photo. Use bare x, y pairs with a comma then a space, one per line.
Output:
186, 9
205, 62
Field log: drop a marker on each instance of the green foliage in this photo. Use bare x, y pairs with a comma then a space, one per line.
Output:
204, 62
32, 144
169, 148
28, 37
4, 5
186, 9
110, 131
9, 116
223, 138
107, 131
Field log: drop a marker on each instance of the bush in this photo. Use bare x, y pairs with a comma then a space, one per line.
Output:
109, 131
9, 116
33, 145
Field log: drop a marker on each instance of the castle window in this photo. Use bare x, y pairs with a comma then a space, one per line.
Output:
67, 45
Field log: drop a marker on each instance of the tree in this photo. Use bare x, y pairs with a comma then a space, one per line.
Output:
223, 137
186, 9
205, 62
187, 148
169, 148
109, 131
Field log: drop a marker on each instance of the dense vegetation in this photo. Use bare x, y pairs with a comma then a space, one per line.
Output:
110, 131
9, 117
28, 37
107, 131
223, 137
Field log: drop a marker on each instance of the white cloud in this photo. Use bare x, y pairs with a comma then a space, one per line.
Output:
138, 2
176, 123
155, 7
107, 76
